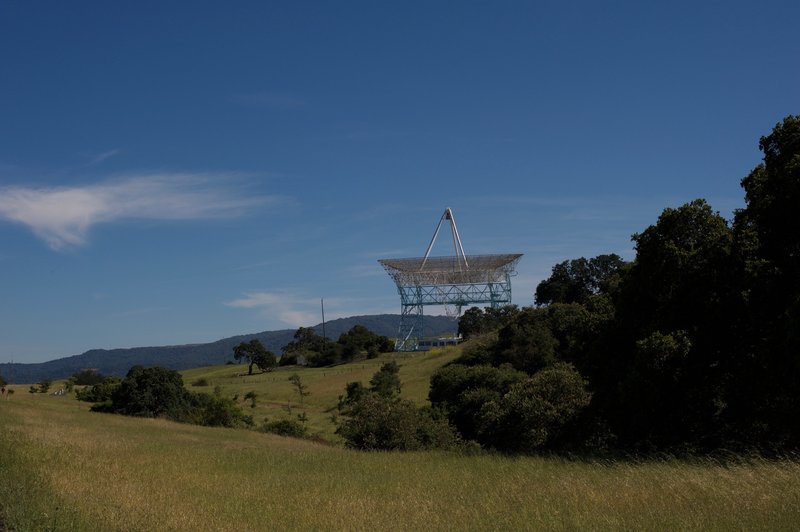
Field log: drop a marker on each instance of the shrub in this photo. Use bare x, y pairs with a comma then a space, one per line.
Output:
386, 381
382, 423
353, 393
87, 377
151, 392
527, 342
534, 411
461, 391
100, 392
285, 427
201, 382
159, 392
215, 411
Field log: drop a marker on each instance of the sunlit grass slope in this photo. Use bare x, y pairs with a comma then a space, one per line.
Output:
64, 468
276, 395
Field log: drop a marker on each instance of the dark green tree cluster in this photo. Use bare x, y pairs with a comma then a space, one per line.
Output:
577, 280
509, 409
86, 377
159, 392
98, 392
376, 418
359, 342
314, 350
477, 321
694, 345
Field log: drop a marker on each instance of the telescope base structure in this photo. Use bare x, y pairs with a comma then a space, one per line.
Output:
414, 298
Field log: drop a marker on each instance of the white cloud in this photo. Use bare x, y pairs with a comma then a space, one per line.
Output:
63, 216
100, 157
288, 309
299, 311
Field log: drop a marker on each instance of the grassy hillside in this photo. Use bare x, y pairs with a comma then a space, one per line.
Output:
65, 468
119, 361
276, 394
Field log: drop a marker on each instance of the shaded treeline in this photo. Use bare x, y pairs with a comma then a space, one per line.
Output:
694, 345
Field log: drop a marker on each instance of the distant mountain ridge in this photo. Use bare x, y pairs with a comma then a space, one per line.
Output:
119, 361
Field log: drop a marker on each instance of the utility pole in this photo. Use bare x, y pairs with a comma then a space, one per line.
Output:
322, 304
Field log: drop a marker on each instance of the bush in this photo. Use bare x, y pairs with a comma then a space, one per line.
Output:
215, 411
527, 342
41, 387
382, 423
353, 393
285, 427
461, 391
386, 381
87, 377
159, 392
151, 392
201, 382
534, 411
100, 392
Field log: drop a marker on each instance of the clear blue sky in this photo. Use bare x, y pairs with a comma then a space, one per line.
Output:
178, 172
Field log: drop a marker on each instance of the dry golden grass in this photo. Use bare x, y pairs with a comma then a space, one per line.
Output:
65, 468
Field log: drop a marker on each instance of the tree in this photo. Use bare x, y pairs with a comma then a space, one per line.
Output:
255, 354
534, 411
575, 281
386, 381
99, 392
360, 341
316, 350
527, 342
214, 410
251, 396
677, 296
378, 423
87, 377
353, 393
299, 387
150, 392
767, 240
476, 321
43, 386
772, 193
462, 391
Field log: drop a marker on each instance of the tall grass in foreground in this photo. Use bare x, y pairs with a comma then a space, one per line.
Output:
70, 469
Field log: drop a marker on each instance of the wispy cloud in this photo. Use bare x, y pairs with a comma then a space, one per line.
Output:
286, 308
100, 157
63, 216
301, 311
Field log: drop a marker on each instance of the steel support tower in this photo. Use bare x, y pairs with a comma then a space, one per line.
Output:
454, 282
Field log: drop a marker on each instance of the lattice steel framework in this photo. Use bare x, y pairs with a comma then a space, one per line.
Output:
456, 281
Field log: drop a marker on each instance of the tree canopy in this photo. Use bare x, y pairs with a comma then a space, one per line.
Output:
255, 354
693, 345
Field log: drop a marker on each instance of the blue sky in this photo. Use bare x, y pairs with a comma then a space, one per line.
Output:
176, 172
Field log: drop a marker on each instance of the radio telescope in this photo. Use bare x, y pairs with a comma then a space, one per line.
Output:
453, 282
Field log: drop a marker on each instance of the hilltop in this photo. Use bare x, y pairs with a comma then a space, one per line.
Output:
187, 356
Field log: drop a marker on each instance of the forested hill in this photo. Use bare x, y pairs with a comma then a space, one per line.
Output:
118, 361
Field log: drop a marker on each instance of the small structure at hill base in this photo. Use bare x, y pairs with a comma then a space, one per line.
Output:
453, 282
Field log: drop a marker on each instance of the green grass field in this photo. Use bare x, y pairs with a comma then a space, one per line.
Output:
276, 394
65, 468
